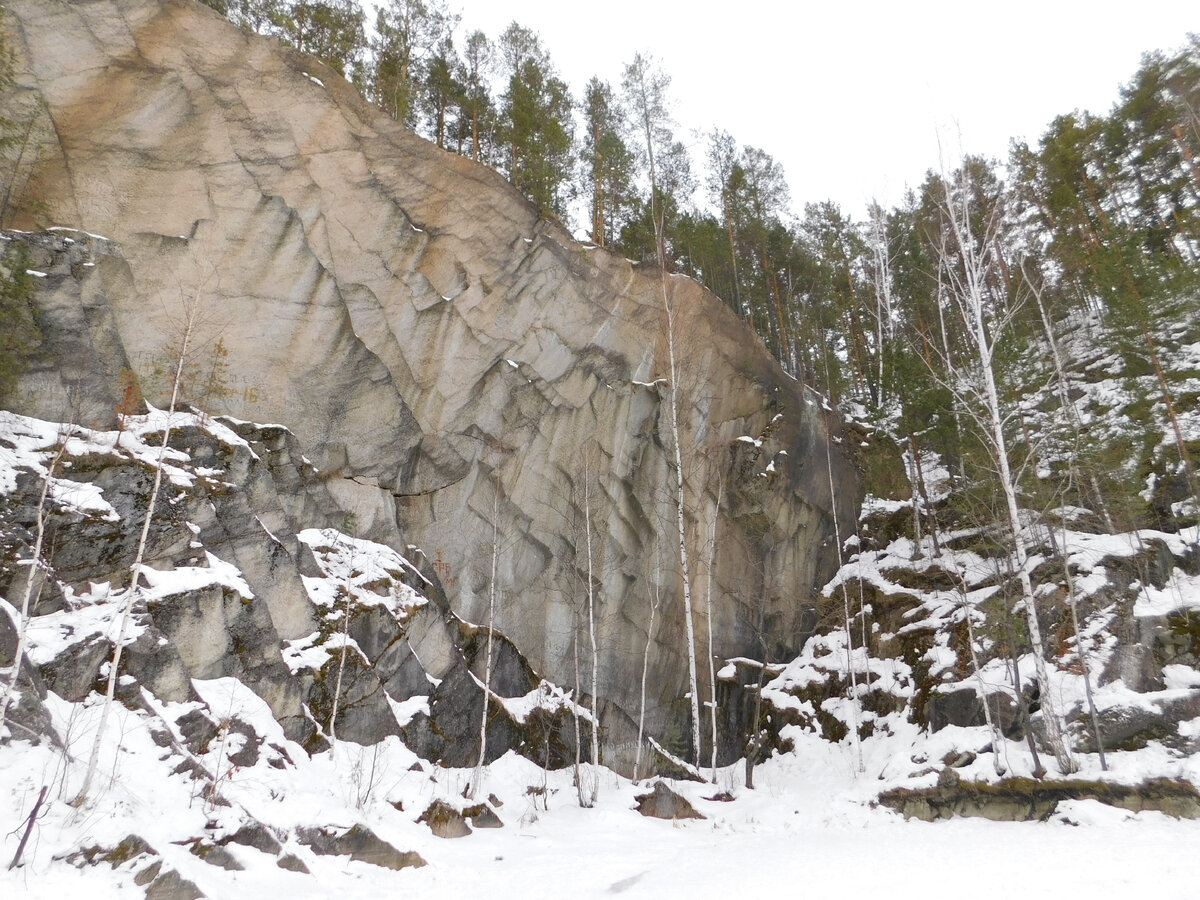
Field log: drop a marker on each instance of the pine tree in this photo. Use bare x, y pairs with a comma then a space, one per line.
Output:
408, 35
443, 92
477, 110
607, 162
261, 16
331, 30
535, 122
722, 160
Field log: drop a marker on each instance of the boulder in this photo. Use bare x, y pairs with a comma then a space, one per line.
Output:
664, 803
359, 843
445, 821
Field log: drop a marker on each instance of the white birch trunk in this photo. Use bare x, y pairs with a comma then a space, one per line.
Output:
1064, 398
911, 472
997, 737
883, 292
579, 788
587, 513
191, 313
337, 688
1079, 649
850, 668
712, 673
477, 780
637, 762
648, 102
952, 375
35, 563
685, 572
972, 305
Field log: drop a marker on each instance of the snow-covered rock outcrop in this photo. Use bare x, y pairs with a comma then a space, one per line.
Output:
428, 339
235, 587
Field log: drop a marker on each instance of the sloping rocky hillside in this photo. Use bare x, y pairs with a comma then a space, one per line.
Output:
446, 359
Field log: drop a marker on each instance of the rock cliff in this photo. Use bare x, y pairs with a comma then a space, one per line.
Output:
452, 365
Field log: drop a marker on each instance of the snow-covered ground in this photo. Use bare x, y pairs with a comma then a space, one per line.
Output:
810, 828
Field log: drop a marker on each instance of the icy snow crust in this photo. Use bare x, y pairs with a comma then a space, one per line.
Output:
809, 826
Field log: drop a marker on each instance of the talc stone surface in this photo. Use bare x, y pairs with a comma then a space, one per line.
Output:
446, 357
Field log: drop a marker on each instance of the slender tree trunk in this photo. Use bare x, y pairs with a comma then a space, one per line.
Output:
35, 563
191, 314
477, 781
1064, 394
1184, 456
685, 572
1039, 771
1054, 733
971, 291
883, 298
851, 673
913, 476
923, 494
712, 674
952, 376
680, 501
1072, 601
637, 762
29, 823
597, 190
584, 797
755, 750
997, 737
737, 291
337, 688
649, 121
587, 507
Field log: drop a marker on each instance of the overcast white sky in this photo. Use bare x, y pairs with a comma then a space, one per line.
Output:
852, 96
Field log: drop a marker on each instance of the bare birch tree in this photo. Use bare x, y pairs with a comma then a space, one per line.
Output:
587, 566
646, 89
591, 615
37, 566
1067, 405
477, 778
581, 791
708, 616
970, 278
350, 526
851, 666
881, 276
191, 311
654, 597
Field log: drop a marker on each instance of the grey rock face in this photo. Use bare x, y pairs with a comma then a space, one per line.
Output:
431, 342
